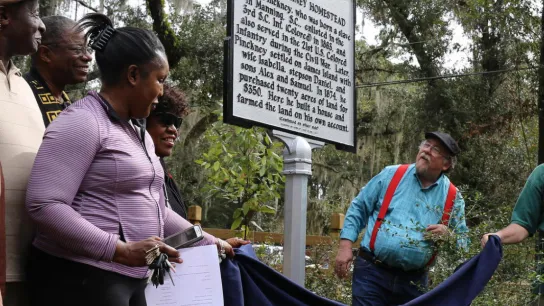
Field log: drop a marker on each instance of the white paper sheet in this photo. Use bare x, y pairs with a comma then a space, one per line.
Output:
197, 281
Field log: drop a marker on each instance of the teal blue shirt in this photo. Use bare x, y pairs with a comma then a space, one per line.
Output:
400, 241
529, 211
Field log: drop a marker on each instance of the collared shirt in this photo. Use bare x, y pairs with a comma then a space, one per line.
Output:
21, 132
95, 182
529, 210
49, 105
400, 241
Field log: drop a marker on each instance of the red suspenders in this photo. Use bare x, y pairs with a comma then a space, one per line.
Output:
386, 201
448, 206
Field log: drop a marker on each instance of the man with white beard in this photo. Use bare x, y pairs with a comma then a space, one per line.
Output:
404, 209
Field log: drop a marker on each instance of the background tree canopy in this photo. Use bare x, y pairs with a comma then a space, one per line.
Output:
235, 174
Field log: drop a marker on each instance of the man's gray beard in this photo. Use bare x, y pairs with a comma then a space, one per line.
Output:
424, 173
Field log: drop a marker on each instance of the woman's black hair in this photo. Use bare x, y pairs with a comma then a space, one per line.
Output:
173, 101
118, 48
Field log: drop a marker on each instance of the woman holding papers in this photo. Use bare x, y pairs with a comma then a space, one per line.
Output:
96, 188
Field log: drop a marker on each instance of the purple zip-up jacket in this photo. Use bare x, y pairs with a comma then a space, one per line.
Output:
93, 183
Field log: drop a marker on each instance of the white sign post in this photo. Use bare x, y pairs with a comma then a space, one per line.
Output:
289, 66
297, 167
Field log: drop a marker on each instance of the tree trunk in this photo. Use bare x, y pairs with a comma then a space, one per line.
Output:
437, 103
165, 32
400, 16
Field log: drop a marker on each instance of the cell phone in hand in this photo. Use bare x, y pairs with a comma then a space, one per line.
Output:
185, 238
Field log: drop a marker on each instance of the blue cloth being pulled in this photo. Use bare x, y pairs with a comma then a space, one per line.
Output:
247, 282
468, 281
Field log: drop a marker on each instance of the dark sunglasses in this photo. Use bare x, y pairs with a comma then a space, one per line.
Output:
168, 119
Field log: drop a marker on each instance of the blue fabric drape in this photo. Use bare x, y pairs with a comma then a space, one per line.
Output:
468, 281
249, 282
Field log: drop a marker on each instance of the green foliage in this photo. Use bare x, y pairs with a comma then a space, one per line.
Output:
320, 277
200, 70
243, 168
511, 283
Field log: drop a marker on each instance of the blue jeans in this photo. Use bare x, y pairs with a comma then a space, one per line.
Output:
375, 286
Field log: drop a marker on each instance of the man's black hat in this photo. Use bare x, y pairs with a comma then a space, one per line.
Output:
446, 140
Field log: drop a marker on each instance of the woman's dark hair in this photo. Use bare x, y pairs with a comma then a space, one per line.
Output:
121, 47
173, 101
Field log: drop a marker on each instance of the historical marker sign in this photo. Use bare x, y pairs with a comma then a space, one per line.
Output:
290, 66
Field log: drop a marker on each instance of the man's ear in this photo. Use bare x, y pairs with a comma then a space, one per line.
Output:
446, 165
44, 54
133, 75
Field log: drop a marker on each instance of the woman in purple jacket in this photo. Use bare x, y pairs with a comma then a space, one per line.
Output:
95, 191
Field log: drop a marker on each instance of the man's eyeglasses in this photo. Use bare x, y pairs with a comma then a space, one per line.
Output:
77, 50
168, 119
435, 151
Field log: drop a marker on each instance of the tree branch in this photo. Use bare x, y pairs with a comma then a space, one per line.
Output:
328, 167
317, 164
407, 28
86, 5
375, 69
163, 28
200, 128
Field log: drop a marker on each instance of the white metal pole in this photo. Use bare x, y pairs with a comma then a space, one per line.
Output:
297, 167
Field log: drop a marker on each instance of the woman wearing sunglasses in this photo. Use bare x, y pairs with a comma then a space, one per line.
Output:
163, 124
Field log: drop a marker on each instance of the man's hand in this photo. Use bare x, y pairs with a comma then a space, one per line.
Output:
438, 230
485, 238
344, 258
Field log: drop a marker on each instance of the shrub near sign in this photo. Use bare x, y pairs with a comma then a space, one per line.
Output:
290, 67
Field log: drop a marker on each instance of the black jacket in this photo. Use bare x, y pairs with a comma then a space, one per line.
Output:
175, 201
